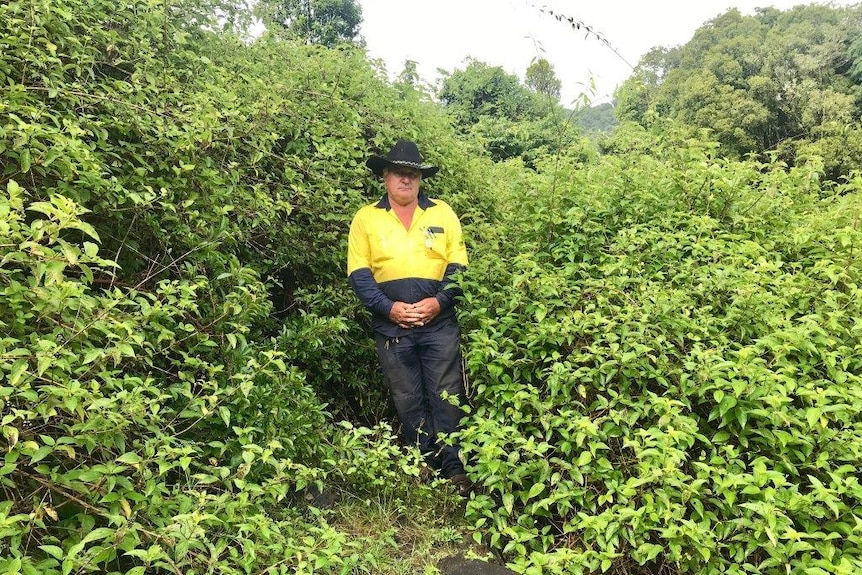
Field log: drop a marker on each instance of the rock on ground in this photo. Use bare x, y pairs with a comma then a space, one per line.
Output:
458, 565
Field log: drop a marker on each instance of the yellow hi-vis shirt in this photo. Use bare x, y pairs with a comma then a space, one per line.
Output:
388, 263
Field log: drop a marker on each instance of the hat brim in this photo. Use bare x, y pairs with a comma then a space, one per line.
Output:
378, 163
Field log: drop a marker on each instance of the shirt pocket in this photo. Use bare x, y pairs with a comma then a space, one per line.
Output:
435, 242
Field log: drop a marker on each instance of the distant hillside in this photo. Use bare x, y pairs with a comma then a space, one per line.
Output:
596, 119
783, 81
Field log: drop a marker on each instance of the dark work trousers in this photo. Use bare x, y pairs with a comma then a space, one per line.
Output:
418, 368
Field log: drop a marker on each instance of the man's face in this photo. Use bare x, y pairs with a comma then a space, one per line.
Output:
402, 184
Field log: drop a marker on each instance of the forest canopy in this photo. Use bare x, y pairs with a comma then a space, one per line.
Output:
785, 81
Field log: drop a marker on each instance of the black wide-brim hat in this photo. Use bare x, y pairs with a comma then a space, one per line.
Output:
404, 154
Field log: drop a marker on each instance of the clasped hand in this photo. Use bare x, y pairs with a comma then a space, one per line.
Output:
417, 314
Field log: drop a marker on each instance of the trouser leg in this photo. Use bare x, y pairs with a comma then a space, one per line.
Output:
402, 370
440, 353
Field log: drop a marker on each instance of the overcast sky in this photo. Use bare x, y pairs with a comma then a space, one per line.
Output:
511, 33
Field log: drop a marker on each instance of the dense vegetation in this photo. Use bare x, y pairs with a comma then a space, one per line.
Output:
786, 81
667, 367
662, 336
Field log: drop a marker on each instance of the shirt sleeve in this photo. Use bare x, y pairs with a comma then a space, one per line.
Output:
359, 270
455, 248
457, 257
449, 289
358, 246
369, 293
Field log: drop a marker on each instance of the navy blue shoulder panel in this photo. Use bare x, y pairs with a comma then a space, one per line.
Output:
424, 202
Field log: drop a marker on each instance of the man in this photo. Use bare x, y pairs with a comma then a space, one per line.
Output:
402, 253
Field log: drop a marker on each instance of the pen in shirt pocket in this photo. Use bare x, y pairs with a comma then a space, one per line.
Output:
430, 233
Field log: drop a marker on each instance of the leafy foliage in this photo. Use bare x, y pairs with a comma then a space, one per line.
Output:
158, 177
483, 90
125, 428
507, 118
596, 120
666, 367
540, 78
663, 343
775, 79
325, 22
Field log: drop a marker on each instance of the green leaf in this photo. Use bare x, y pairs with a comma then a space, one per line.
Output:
130, 458
52, 550
647, 552
508, 502
97, 534
24, 160
11, 435
728, 402
40, 454
535, 490
91, 250
813, 415
92, 354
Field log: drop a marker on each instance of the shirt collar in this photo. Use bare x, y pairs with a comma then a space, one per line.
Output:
424, 202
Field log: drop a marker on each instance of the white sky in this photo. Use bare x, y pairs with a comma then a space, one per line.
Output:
511, 33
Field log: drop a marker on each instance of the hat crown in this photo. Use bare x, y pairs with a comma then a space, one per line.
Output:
405, 153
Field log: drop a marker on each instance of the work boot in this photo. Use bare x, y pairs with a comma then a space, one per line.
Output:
462, 483
427, 473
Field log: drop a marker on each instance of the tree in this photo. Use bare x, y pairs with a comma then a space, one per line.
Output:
760, 82
596, 119
507, 117
855, 54
409, 74
326, 22
635, 96
541, 79
481, 89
